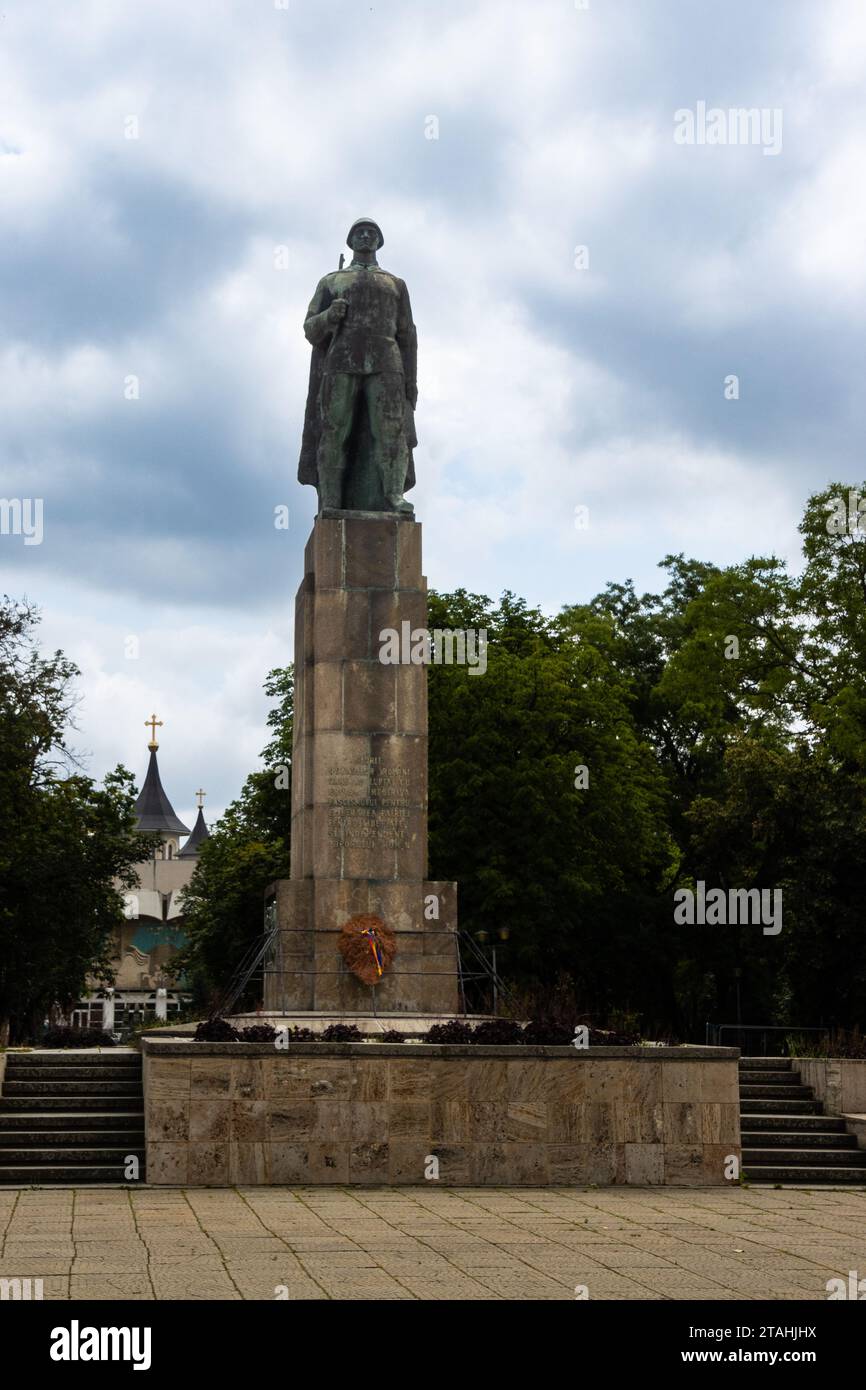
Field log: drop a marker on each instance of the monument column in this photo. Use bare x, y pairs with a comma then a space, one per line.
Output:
359, 760
359, 778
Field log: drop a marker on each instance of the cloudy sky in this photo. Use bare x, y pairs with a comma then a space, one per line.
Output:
177, 174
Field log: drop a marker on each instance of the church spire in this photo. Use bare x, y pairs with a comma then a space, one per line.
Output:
199, 832
153, 808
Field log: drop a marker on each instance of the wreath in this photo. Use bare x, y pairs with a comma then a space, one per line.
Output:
368, 947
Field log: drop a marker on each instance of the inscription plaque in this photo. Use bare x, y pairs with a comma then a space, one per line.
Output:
368, 804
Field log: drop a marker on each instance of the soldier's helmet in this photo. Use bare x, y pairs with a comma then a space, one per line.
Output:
365, 222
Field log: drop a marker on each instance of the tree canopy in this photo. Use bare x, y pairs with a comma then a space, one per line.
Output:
67, 846
628, 747
248, 848
608, 757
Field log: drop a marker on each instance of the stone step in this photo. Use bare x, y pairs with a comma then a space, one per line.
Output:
786, 1106
71, 1118
792, 1173
765, 1063
125, 1073
31, 1104
779, 1121
793, 1139
30, 1157
770, 1078
61, 1121
11, 1089
73, 1057
775, 1092
818, 1158
68, 1174
76, 1139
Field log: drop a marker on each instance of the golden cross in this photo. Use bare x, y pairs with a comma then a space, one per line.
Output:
201, 795
153, 724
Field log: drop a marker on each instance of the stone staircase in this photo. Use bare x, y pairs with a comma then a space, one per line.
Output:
786, 1136
71, 1117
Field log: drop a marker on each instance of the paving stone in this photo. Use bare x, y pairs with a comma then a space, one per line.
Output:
110, 1287
378, 1244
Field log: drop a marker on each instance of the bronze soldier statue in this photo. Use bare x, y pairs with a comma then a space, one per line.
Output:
359, 427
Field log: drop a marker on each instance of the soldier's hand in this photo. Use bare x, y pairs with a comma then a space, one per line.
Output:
337, 310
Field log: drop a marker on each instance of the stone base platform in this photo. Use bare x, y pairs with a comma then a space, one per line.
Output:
408, 1113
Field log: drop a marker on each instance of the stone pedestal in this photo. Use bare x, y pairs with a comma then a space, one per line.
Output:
359, 780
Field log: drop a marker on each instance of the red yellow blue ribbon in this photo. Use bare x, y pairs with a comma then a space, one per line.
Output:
370, 934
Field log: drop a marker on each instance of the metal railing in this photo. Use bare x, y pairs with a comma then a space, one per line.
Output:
487, 971
715, 1037
252, 962
260, 960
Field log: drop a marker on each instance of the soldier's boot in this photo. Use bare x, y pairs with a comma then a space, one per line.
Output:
397, 502
393, 474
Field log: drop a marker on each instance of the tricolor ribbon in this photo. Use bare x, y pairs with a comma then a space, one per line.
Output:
370, 934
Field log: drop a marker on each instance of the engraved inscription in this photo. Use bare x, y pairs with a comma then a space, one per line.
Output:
369, 804
361, 827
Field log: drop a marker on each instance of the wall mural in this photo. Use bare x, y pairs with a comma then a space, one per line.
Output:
146, 947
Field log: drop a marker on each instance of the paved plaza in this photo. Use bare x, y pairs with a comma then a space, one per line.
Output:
424, 1243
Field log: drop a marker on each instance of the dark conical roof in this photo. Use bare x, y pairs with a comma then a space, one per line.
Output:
199, 832
153, 808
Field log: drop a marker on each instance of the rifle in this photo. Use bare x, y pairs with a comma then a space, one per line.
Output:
339, 324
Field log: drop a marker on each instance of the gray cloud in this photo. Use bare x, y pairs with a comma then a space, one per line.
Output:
542, 386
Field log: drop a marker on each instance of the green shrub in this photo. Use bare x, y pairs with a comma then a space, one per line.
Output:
454, 1031
76, 1037
215, 1030
341, 1032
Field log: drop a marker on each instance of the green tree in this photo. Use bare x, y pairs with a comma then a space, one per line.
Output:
67, 847
722, 726
831, 594
789, 819
772, 792
247, 849
565, 858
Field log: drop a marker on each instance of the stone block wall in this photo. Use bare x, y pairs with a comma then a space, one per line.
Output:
347, 1113
359, 762
840, 1082
307, 971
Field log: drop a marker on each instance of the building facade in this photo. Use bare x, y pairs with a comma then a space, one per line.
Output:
152, 930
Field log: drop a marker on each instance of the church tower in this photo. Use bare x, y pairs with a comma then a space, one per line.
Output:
153, 808
199, 831
152, 931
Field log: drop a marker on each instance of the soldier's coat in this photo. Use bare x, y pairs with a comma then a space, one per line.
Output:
360, 350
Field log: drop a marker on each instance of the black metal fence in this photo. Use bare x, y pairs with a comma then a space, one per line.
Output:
760, 1039
481, 988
